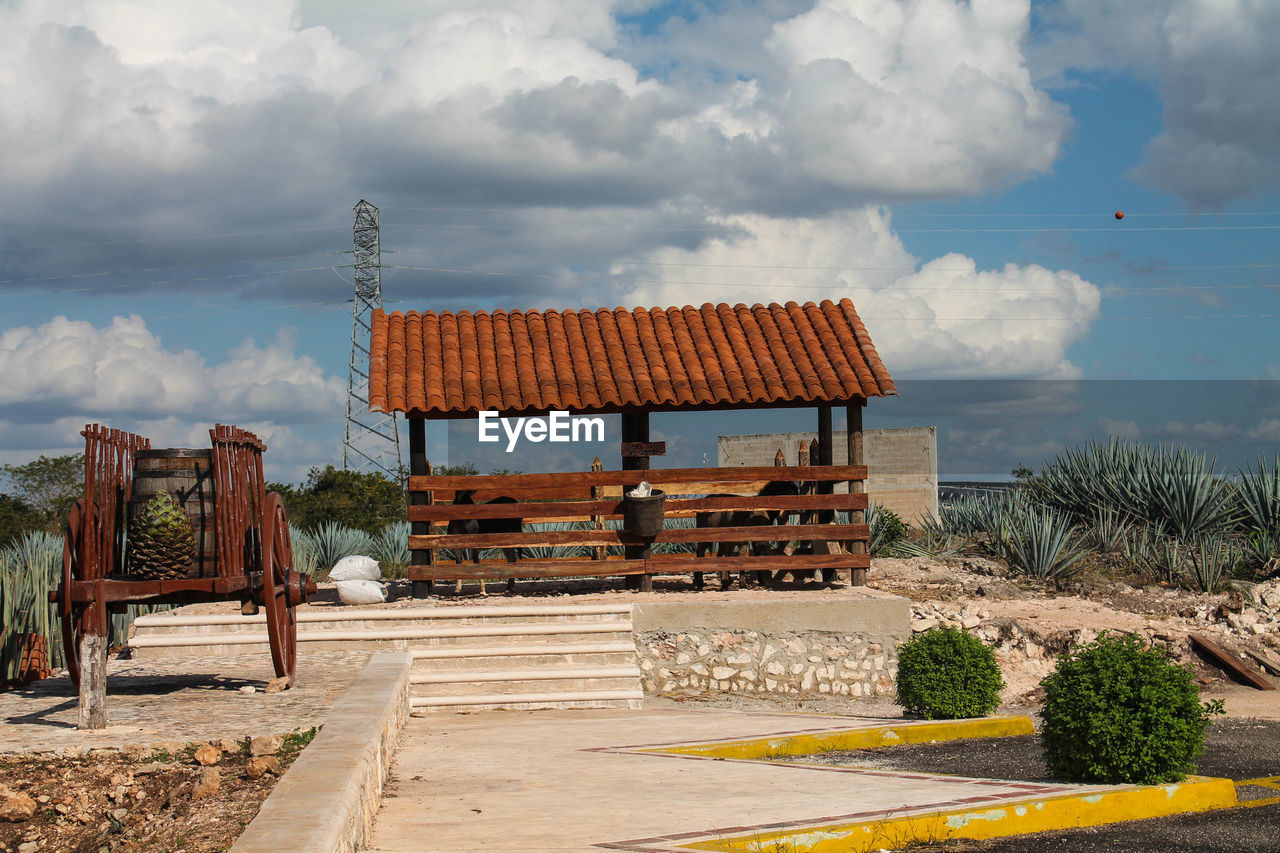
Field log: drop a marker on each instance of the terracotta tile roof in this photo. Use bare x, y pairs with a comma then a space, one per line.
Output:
455, 364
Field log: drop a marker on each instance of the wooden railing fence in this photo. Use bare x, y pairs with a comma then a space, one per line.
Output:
591, 497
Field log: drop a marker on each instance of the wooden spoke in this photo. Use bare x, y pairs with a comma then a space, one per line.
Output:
277, 575
70, 612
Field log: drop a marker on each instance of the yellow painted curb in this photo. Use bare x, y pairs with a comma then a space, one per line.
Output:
849, 739
1042, 814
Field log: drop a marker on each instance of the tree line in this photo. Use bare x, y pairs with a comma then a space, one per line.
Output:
39, 496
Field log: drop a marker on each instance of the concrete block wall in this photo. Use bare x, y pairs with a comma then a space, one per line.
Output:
844, 648
902, 464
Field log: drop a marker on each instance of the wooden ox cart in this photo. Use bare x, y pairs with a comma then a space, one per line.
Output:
242, 547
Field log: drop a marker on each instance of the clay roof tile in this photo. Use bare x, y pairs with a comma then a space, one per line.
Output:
447, 365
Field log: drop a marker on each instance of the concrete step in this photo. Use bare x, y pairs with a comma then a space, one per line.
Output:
519, 681
442, 658
623, 698
222, 634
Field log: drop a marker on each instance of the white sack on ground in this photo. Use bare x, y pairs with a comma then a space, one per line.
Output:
361, 592
355, 568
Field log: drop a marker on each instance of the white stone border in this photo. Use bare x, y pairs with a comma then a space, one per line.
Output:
328, 798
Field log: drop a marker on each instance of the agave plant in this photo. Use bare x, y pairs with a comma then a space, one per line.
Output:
1258, 497
1150, 551
1107, 532
306, 553
1185, 493
334, 541
1212, 558
1040, 543
30, 567
1173, 485
391, 549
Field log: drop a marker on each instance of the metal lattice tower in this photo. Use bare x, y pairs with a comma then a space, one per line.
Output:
372, 440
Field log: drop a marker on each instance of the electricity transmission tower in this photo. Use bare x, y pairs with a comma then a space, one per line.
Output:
372, 440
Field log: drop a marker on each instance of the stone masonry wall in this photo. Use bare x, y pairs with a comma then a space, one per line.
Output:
902, 464
697, 661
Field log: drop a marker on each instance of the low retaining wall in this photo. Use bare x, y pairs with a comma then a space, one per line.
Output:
844, 648
327, 800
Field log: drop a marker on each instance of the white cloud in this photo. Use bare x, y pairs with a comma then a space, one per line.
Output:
942, 319
123, 368
155, 101
1215, 65
920, 98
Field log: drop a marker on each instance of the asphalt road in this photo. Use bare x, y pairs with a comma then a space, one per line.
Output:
1237, 749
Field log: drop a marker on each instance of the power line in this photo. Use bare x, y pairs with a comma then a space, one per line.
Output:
846, 285
107, 273
176, 237
909, 267
146, 284
895, 214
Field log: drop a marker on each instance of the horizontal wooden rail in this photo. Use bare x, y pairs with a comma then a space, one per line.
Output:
550, 538
587, 479
613, 508
571, 567
657, 564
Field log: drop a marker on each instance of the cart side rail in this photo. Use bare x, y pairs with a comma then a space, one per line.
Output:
240, 501
108, 483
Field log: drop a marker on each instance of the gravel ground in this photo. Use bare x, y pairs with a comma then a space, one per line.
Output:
1236, 749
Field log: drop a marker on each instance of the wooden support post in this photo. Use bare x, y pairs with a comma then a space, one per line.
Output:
853, 431
823, 457
93, 661
419, 466
93, 681
635, 429
597, 522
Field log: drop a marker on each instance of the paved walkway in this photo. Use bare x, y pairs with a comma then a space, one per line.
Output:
181, 700
564, 781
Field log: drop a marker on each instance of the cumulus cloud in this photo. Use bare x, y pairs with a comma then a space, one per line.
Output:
59, 376
1215, 64
938, 319
137, 109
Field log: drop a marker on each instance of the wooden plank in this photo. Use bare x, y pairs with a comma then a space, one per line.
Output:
551, 538
772, 562
644, 448
659, 563
586, 479
1266, 660
137, 590
675, 508
541, 493
578, 567
1231, 663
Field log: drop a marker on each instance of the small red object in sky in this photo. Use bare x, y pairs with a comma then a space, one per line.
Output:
1119, 214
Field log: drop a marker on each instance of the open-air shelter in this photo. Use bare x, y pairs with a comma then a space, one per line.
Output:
630, 362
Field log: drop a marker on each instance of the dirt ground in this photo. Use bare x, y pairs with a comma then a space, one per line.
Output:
120, 801
116, 802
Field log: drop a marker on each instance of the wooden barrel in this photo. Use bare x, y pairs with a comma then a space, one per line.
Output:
188, 476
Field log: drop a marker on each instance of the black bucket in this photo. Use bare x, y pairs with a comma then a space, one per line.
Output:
643, 516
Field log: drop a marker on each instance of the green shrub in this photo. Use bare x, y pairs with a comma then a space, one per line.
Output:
946, 674
887, 529
1118, 711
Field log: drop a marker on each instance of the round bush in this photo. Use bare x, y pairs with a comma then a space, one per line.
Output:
1119, 711
946, 674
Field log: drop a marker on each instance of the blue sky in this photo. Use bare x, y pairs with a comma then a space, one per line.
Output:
179, 181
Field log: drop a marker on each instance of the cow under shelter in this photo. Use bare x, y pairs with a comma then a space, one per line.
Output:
632, 362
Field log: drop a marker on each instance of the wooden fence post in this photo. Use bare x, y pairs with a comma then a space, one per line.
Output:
419, 466
853, 432
597, 522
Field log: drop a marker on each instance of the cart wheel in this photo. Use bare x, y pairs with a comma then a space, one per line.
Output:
277, 572
70, 612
